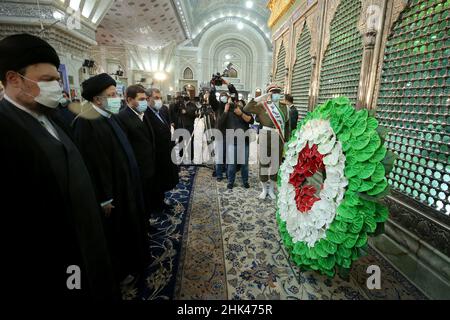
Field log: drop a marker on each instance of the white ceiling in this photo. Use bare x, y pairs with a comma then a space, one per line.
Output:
92, 10
156, 23
145, 23
202, 14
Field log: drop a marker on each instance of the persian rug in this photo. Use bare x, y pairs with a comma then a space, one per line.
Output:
158, 282
232, 250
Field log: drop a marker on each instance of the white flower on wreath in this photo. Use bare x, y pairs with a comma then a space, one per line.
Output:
311, 226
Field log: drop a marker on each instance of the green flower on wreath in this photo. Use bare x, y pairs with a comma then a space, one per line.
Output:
326, 227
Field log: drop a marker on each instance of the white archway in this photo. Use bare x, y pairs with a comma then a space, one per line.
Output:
249, 44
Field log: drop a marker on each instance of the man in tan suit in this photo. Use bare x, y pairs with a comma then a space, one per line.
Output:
273, 116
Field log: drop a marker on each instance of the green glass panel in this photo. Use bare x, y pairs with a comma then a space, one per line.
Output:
301, 76
281, 66
340, 75
415, 105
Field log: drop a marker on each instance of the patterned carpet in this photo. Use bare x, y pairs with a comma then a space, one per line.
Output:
230, 249
160, 278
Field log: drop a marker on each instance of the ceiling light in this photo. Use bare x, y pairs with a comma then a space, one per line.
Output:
249, 4
160, 76
227, 56
240, 26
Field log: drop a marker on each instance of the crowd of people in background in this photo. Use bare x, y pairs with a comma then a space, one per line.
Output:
91, 180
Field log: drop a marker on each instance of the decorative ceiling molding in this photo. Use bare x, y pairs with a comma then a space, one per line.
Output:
141, 23
202, 14
247, 23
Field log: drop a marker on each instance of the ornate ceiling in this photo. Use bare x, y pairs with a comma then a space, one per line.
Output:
202, 14
156, 23
145, 23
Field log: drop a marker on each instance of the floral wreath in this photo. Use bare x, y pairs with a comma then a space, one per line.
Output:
325, 225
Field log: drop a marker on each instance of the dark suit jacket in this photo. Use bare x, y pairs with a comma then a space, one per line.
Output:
187, 119
166, 174
142, 140
293, 119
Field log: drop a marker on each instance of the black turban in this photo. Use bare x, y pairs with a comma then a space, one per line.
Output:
95, 85
21, 50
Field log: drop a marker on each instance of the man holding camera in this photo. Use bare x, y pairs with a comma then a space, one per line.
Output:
232, 118
186, 113
273, 116
219, 108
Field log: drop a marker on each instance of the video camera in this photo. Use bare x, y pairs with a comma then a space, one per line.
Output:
232, 103
217, 79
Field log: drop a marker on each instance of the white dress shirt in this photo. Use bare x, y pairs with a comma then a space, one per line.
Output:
42, 119
140, 115
101, 111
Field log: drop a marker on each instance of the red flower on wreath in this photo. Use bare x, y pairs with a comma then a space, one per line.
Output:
309, 162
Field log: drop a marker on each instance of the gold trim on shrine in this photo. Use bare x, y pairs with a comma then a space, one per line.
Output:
277, 9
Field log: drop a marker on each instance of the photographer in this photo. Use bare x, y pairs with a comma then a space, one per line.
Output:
234, 118
185, 113
218, 107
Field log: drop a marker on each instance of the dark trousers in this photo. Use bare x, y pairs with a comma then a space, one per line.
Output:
154, 198
184, 143
237, 156
221, 160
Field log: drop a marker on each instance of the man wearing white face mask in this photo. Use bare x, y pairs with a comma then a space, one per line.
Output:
115, 174
49, 210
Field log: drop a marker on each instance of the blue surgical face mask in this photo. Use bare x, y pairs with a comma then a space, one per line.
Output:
113, 105
276, 97
224, 99
142, 106
158, 104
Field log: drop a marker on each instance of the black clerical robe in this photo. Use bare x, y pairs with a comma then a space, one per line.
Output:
142, 139
166, 174
50, 216
115, 175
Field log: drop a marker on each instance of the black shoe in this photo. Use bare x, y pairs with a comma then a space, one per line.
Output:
214, 174
219, 179
230, 186
246, 185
